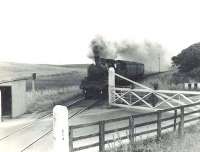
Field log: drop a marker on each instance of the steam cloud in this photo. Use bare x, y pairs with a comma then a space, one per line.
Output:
102, 48
147, 52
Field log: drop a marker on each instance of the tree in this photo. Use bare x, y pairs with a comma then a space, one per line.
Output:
188, 59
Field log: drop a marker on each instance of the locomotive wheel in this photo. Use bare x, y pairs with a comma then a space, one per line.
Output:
86, 93
103, 93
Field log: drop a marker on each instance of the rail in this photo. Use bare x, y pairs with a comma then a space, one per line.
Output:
157, 126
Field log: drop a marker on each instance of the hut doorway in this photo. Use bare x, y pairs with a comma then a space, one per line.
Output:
6, 101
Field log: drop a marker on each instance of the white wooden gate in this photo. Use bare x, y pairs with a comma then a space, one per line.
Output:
141, 97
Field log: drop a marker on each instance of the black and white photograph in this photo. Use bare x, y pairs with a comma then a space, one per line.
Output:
99, 76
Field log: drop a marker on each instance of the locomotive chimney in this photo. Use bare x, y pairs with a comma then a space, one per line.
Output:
96, 55
97, 60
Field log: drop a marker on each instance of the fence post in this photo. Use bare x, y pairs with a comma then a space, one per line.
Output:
33, 81
158, 124
181, 123
101, 136
175, 116
60, 129
111, 85
131, 129
71, 139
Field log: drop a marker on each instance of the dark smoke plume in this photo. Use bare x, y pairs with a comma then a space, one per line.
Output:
101, 48
147, 52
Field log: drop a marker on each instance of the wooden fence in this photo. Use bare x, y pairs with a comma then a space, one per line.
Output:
176, 115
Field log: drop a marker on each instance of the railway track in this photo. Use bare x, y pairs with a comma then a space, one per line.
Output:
25, 126
26, 135
70, 116
76, 100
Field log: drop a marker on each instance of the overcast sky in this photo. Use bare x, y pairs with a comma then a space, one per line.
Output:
59, 32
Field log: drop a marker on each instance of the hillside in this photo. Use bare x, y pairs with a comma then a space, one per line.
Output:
10, 70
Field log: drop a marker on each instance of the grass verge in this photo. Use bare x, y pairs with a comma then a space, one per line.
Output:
169, 142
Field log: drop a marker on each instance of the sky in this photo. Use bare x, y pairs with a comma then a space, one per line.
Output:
60, 32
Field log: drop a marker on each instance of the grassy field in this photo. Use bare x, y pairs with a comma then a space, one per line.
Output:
46, 99
53, 84
165, 81
57, 81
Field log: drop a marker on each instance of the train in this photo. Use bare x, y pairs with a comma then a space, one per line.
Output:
95, 84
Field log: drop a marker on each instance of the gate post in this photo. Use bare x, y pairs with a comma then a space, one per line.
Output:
111, 85
60, 129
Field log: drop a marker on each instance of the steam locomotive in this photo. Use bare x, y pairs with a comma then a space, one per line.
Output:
96, 82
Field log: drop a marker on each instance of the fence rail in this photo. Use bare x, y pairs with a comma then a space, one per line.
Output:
177, 119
